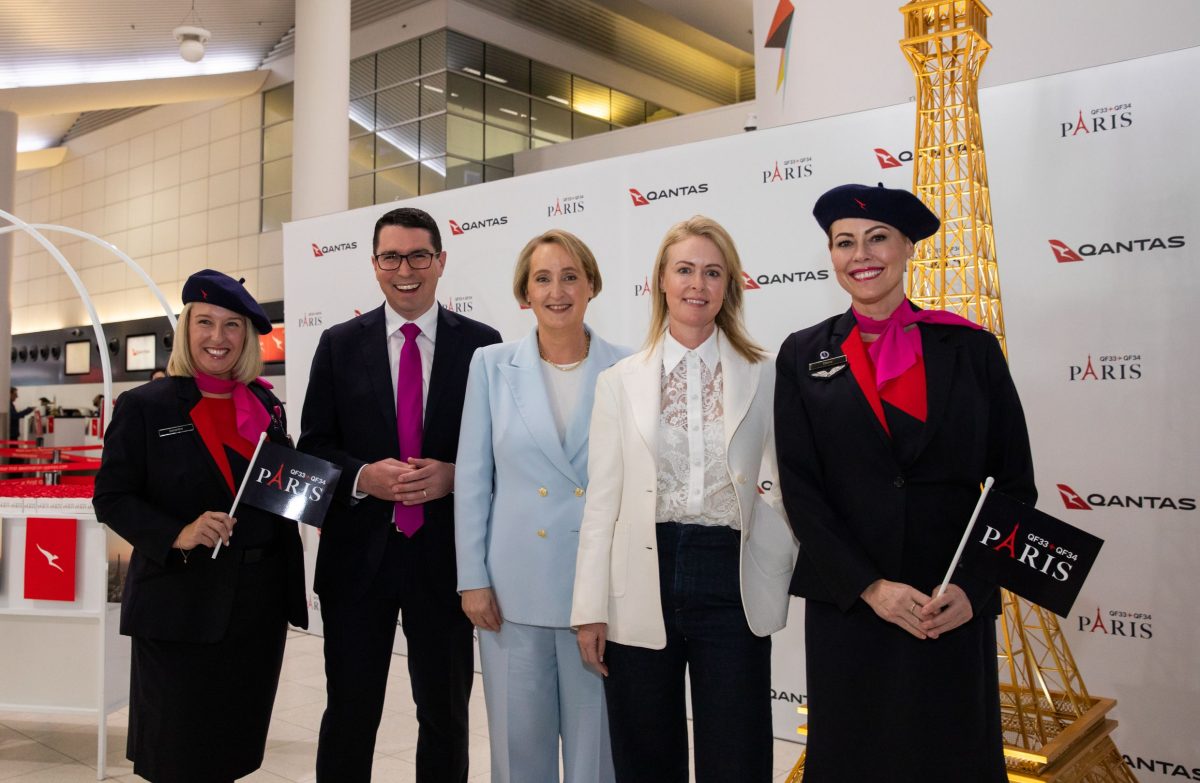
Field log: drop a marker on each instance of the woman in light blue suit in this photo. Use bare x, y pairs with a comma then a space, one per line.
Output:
519, 492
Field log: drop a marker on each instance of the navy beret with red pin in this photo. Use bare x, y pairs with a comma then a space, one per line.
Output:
217, 288
897, 208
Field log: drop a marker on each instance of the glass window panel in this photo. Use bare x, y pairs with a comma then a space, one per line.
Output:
464, 96
433, 94
550, 122
397, 105
654, 113
433, 175
506, 109
277, 105
277, 177
461, 173
357, 130
504, 67
464, 54
276, 211
399, 63
433, 52
362, 191
433, 137
491, 174
362, 114
551, 83
499, 143
362, 154
397, 145
464, 138
589, 126
627, 110
397, 183
362, 76
590, 98
277, 141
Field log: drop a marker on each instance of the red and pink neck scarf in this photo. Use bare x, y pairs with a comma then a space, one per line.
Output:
899, 346
252, 417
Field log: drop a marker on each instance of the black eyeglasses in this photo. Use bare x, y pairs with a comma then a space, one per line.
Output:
390, 262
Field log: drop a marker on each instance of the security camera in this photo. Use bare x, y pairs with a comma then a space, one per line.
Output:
751, 122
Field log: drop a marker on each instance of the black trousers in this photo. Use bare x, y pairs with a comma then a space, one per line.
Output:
358, 651
729, 668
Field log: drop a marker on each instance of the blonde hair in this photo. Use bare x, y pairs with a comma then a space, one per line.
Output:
575, 247
729, 319
248, 366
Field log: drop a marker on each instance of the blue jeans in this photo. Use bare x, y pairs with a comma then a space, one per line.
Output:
729, 668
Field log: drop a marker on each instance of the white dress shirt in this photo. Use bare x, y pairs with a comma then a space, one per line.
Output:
427, 322
694, 486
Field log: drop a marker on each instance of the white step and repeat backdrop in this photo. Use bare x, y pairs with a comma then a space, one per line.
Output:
1093, 190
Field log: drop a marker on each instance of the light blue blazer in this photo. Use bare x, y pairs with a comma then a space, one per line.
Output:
519, 491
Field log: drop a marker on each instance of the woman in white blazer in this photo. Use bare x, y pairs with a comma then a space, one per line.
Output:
520, 485
682, 562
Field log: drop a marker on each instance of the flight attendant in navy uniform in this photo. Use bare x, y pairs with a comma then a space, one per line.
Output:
887, 419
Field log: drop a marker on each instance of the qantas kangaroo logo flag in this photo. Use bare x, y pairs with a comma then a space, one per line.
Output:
50, 559
1038, 557
291, 484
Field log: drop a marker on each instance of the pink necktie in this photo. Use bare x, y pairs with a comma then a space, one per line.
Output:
408, 420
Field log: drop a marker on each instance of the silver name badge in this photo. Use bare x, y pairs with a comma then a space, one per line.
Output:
178, 429
827, 367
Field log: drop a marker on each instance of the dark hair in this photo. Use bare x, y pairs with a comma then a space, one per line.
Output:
409, 217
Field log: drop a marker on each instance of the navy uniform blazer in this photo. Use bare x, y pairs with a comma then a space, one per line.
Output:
349, 419
861, 512
152, 483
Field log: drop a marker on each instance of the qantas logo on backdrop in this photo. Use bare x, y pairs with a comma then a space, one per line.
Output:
1098, 120
1064, 253
1077, 502
647, 198
798, 168
1117, 622
1173, 769
753, 283
458, 229
321, 250
889, 161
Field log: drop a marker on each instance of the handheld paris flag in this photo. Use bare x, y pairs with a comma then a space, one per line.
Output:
1042, 559
288, 483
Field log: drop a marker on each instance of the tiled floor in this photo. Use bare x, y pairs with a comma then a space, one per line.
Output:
38, 748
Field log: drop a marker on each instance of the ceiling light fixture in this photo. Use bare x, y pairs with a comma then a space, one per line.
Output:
191, 36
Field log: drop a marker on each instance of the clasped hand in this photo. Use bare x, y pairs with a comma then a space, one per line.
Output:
416, 481
923, 616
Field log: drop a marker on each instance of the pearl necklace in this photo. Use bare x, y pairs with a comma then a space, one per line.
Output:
587, 347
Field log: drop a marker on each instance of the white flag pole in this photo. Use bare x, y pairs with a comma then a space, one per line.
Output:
253, 459
987, 487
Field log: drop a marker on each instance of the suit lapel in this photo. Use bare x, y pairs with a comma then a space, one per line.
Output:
524, 378
189, 397
841, 330
642, 379
739, 382
602, 356
378, 367
940, 359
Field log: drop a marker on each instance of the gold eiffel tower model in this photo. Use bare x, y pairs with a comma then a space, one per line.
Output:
1053, 729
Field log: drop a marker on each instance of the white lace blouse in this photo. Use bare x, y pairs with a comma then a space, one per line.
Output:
693, 476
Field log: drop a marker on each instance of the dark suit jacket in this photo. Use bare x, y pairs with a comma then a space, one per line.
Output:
350, 419
149, 487
859, 511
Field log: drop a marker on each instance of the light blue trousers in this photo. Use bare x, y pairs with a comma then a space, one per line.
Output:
537, 691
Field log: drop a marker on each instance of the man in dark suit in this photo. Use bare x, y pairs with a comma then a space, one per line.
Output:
376, 559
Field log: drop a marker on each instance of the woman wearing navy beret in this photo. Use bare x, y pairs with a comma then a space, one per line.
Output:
887, 420
207, 633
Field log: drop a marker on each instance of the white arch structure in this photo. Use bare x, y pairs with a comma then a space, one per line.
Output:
35, 230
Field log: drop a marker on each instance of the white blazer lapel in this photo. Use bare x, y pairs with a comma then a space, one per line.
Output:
524, 378
601, 357
740, 381
642, 378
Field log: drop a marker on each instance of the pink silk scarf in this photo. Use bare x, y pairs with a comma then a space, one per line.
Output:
899, 346
252, 417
